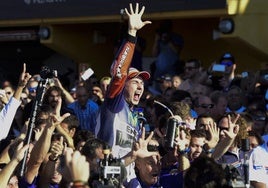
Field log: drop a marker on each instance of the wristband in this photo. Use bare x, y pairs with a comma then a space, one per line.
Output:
78, 184
209, 151
185, 151
51, 159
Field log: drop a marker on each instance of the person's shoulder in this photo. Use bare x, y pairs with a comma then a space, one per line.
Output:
133, 183
71, 105
265, 138
93, 104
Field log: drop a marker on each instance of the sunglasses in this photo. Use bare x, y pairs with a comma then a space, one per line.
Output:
206, 105
32, 89
227, 63
259, 118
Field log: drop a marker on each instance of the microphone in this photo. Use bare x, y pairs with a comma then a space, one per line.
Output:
164, 106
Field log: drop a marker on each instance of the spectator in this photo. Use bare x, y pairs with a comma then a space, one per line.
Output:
97, 95
184, 111
254, 139
205, 172
80, 138
32, 89
85, 109
93, 151
208, 124
193, 75
51, 97
176, 81
232, 153
8, 112
219, 101
236, 100
258, 165
104, 83
203, 105
166, 48
198, 90
7, 176
165, 81
227, 77
147, 169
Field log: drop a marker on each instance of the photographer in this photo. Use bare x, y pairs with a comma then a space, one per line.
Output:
223, 74
166, 48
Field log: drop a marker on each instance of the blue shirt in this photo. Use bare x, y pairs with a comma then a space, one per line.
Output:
87, 116
34, 184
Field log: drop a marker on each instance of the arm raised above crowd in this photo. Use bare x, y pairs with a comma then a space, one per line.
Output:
78, 168
23, 80
225, 143
134, 19
42, 146
68, 97
7, 171
8, 112
119, 68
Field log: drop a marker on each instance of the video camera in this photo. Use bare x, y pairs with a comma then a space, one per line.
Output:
112, 172
48, 73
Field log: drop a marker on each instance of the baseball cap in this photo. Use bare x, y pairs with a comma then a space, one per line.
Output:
165, 77
134, 73
227, 59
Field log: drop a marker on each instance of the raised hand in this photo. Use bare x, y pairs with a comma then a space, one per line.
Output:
134, 19
56, 149
214, 135
24, 77
233, 127
23, 80
77, 165
140, 149
19, 153
55, 118
181, 141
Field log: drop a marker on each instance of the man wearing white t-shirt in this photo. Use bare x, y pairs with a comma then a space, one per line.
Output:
258, 165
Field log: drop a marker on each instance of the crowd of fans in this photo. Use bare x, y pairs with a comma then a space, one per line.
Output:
218, 119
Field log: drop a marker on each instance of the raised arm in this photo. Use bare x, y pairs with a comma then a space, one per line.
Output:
78, 168
8, 170
48, 170
68, 97
8, 112
224, 144
119, 68
42, 146
23, 80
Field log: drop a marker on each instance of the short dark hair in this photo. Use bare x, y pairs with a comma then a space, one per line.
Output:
72, 122
90, 146
204, 172
197, 62
198, 133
